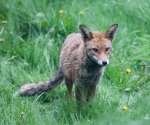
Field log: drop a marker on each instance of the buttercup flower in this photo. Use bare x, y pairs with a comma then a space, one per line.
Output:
61, 11
128, 70
124, 108
81, 13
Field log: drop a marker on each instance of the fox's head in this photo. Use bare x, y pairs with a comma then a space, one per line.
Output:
98, 45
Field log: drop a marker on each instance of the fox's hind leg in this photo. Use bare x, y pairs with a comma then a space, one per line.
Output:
69, 85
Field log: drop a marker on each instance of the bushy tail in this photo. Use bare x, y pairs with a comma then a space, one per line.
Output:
32, 89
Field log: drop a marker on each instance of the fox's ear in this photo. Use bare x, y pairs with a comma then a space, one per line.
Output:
85, 33
110, 33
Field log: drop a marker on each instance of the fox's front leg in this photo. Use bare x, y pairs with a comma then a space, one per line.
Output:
91, 93
81, 93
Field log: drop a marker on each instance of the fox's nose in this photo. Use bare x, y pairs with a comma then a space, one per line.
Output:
104, 62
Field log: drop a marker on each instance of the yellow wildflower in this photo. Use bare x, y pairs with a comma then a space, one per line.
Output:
61, 11
22, 114
81, 13
124, 108
128, 70
4, 22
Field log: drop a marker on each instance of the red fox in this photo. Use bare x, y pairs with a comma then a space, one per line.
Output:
83, 59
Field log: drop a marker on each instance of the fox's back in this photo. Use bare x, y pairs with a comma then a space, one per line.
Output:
69, 52
71, 43
70, 46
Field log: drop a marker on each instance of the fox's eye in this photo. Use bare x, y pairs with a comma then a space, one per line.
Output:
107, 49
95, 50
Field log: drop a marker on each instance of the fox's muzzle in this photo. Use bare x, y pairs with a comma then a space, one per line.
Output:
102, 62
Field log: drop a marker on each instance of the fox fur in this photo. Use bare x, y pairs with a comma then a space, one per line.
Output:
83, 59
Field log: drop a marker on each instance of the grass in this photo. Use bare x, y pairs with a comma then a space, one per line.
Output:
34, 33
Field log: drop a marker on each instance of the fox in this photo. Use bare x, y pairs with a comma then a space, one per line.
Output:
82, 63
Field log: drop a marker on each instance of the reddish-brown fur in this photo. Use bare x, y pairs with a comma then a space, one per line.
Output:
82, 61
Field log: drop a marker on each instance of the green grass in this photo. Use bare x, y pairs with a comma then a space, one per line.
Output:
33, 37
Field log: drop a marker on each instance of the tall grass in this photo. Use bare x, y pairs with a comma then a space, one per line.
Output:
34, 33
